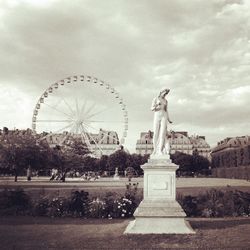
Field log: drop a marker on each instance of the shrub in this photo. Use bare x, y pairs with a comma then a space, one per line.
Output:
14, 202
241, 203
127, 207
58, 207
132, 194
119, 208
41, 207
189, 205
216, 203
79, 203
111, 206
97, 208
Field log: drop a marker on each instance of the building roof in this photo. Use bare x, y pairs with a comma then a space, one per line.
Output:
232, 142
199, 141
176, 137
179, 137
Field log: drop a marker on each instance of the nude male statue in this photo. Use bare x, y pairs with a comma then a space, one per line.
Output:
161, 118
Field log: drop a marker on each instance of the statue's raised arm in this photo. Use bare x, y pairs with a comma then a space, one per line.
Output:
161, 118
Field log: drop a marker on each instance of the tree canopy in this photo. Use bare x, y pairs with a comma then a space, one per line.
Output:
190, 164
20, 150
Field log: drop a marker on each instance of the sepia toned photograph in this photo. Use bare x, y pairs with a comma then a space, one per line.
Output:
124, 124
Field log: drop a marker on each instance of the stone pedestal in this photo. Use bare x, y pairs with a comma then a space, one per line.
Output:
159, 212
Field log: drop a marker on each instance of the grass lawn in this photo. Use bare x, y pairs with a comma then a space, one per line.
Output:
67, 233
185, 186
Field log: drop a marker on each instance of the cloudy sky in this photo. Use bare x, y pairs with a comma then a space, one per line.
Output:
199, 49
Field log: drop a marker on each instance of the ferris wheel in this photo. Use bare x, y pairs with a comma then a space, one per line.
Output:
85, 107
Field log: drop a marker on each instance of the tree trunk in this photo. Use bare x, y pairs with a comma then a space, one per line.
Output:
29, 174
63, 177
15, 176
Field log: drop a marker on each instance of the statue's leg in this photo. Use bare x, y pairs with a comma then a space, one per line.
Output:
162, 134
156, 126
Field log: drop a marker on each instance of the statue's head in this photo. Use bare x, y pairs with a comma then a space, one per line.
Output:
164, 92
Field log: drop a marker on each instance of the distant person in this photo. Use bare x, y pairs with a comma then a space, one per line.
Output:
52, 174
29, 173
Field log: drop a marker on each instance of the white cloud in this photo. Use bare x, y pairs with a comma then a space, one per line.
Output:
199, 49
16, 108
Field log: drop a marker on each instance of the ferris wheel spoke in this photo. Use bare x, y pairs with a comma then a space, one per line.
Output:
65, 137
92, 121
78, 128
62, 129
85, 129
58, 131
89, 109
54, 121
58, 110
77, 106
57, 103
85, 138
83, 108
70, 109
99, 112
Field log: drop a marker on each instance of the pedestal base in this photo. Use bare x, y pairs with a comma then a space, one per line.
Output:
155, 217
159, 226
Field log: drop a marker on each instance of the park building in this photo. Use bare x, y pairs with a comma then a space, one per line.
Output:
102, 143
179, 141
231, 158
107, 141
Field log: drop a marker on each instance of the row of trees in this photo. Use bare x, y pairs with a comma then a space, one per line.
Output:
191, 165
21, 151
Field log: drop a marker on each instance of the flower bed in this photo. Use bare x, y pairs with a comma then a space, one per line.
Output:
214, 203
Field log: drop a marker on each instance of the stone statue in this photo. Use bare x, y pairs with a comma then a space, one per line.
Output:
161, 118
116, 176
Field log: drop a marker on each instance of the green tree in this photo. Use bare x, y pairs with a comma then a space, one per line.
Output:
184, 161
89, 163
118, 160
190, 164
71, 156
20, 150
136, 161
102, 163
77, 147
200, 163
